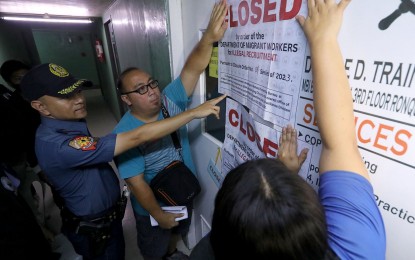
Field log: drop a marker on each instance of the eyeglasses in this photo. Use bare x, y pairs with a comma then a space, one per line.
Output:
144, 88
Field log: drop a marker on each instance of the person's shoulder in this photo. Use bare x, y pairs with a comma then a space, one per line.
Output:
176, 93
334, 175
175, 84
127, 122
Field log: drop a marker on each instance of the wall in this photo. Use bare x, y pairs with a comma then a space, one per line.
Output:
69, 45
105, 70
70, 49
194, 17
141, 36
12, 45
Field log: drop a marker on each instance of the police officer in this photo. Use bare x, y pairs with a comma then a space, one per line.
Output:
76, 163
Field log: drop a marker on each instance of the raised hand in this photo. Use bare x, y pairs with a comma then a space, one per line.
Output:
217, 25
287, 152
324, 19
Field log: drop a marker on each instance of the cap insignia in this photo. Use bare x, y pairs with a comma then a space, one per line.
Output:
58, 70
71, 88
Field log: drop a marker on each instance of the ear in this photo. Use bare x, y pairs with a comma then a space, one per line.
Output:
126, 99
39, 106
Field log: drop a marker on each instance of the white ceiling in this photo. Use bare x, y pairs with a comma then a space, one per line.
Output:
78, 8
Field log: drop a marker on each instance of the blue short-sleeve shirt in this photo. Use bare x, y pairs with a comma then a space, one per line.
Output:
151, 157
355, 225
77, 164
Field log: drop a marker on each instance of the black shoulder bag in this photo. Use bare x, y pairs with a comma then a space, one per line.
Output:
175, 185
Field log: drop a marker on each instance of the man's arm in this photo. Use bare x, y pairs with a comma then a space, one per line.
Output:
158, 129
200, 55
145, 196
332, 96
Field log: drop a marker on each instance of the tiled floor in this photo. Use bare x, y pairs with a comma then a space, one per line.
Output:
100, 121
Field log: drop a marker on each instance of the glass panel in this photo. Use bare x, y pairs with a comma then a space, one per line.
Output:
213, 126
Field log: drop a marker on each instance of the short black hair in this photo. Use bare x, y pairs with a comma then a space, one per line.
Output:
11, 66
120, 84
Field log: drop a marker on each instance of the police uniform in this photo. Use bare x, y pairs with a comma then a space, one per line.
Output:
77, 167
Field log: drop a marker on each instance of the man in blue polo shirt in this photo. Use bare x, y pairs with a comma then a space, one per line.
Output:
140, 91
76, 163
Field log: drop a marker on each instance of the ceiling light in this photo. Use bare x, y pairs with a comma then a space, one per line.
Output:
36, 7
46, 20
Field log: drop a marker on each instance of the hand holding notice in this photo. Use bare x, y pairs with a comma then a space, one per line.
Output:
217, 25
287, 152
324, 19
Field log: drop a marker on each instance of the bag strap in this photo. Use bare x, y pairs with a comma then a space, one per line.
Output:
173, 135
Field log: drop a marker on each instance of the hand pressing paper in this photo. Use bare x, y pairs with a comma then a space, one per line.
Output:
171, 209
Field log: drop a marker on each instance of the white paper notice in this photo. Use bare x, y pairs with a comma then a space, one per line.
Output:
171, 209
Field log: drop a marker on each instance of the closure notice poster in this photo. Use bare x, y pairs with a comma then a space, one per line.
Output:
265, 65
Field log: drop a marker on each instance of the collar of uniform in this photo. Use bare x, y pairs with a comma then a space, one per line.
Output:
66, 126
8, 88
5, 90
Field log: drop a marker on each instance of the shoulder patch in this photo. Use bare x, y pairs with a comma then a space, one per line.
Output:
84, 143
